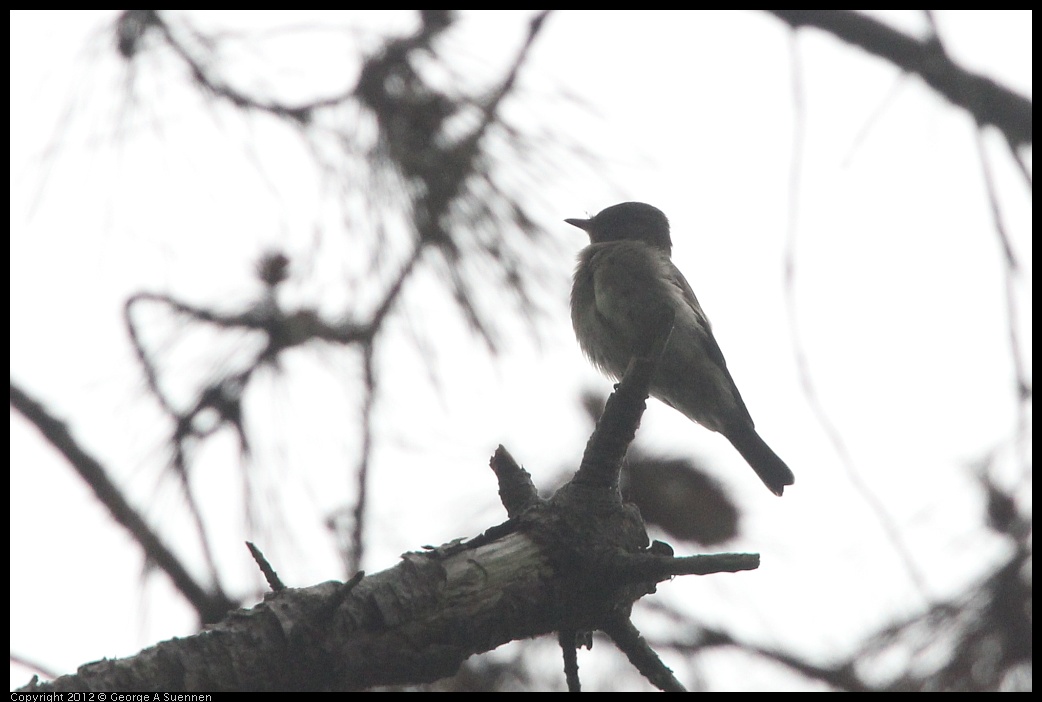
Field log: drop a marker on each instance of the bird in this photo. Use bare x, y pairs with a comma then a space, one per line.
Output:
624, 280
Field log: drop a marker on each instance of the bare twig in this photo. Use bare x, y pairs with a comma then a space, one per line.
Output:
802, 363
274, 582
621, 630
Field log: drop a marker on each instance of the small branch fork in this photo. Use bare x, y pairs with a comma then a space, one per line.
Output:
599, 544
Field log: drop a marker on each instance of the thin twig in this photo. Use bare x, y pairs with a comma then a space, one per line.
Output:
810, 392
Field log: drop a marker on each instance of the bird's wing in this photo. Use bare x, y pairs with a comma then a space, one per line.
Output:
712, 347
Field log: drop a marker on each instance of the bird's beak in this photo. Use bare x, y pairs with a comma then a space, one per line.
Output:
583, 224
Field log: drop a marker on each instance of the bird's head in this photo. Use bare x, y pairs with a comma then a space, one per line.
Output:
628, 221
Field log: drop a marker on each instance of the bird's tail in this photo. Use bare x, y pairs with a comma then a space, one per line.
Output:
771, 469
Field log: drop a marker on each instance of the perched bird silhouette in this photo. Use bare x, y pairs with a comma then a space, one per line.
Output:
624, 280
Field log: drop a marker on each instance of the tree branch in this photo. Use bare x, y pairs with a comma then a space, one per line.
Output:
210, 606
988, 102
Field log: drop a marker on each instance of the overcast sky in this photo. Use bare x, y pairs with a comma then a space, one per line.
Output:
899, 293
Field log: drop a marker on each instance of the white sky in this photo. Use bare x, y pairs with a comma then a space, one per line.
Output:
899, 293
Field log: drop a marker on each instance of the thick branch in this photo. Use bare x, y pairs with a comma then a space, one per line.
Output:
416, 622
